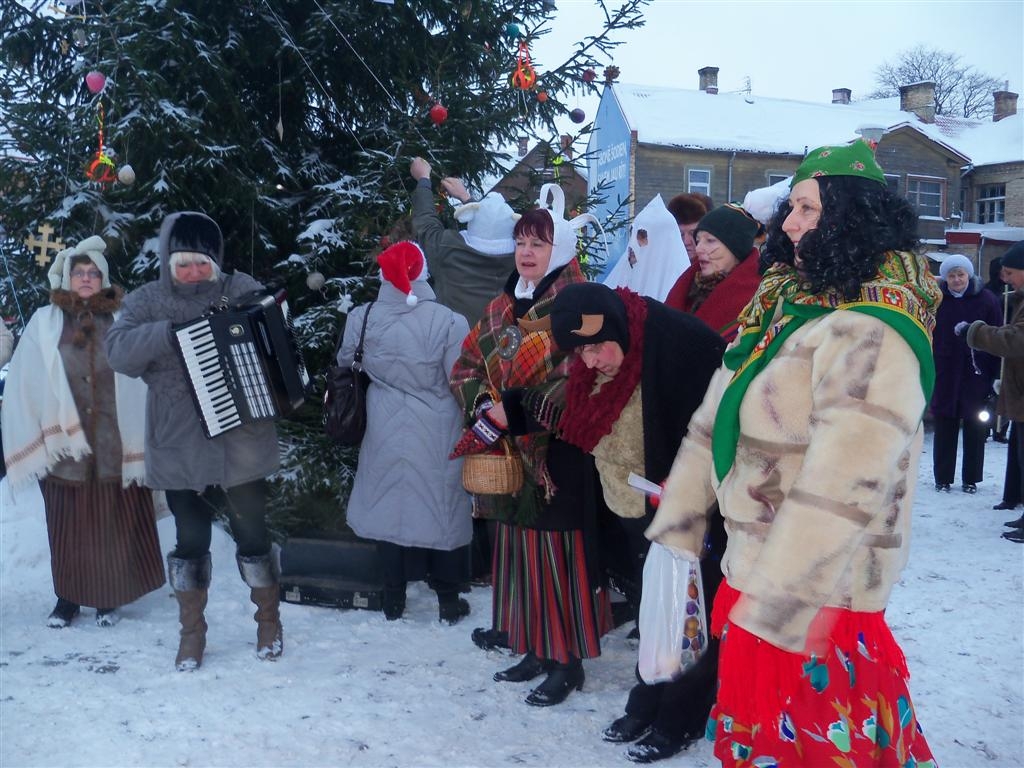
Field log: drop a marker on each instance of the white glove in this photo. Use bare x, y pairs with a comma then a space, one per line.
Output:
960, 328
996, 385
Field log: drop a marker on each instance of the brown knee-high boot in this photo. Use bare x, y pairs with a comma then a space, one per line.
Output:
261, 576
190, 580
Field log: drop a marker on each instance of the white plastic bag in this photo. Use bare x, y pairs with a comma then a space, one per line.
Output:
673, 620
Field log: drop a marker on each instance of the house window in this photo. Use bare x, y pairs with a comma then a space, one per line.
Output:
925, 194
892, 181
698, 180
991, 203
774, 177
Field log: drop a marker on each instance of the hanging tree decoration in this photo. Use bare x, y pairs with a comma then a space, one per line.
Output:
95, 81
525, 76
101, 167
438, 114
44, 244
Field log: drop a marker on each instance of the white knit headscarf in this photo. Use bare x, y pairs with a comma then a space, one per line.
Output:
92, 248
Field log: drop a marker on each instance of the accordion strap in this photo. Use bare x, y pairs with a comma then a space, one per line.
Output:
357, 358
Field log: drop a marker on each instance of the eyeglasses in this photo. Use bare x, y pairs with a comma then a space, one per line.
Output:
92, 274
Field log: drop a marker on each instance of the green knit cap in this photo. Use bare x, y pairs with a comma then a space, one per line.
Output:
854, 159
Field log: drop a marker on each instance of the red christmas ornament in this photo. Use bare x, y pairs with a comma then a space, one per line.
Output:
438, 114
525, 76
577, 115
589, 75
542, 96
95, 81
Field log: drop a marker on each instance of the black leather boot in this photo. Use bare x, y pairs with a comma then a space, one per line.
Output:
528, 668
626, 728
63, 614
560, 682
655, 746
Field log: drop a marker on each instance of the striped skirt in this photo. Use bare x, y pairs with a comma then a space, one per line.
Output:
543, 597
104, 550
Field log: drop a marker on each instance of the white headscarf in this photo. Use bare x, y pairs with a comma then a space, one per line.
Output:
92, 248
563, 249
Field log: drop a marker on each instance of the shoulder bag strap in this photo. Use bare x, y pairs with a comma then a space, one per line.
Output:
358, 356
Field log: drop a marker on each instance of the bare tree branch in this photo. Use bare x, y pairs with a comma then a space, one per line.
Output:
960, 89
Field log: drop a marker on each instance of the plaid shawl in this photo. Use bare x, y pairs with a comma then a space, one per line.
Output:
538, 367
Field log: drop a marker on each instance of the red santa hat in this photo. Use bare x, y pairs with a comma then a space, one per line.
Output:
401, 265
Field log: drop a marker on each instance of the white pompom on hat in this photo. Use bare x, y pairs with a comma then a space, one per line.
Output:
402, 264
91, 248
956, 261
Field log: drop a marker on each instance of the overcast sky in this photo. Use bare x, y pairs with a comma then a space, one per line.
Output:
796, 50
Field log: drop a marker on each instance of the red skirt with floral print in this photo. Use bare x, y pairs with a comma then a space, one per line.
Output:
847, 709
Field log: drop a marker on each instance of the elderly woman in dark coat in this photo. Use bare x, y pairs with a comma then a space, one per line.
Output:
200, 475
963, 377
71, 423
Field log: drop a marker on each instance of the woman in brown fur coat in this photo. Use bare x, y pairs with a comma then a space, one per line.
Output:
75, 426
809, 440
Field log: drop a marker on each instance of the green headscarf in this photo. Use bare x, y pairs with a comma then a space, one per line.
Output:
854, 159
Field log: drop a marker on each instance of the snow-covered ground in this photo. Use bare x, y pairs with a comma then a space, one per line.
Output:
354, 690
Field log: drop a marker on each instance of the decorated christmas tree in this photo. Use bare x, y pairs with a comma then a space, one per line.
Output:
290, 122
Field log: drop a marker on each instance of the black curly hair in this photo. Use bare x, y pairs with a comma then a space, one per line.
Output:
860, 221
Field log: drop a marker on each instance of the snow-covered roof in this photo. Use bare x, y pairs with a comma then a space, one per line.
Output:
994, 231
991, 143
739, 122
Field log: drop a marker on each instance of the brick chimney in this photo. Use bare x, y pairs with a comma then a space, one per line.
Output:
841, 95
708, 79
1005, 105
919, 98
565, 141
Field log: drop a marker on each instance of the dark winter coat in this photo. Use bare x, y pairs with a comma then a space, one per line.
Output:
963, 377
1006, 341
179, 456
464, 279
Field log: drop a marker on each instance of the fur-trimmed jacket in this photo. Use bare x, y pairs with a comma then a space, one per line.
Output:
818, 496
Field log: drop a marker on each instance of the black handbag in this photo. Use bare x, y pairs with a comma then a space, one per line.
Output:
345, 395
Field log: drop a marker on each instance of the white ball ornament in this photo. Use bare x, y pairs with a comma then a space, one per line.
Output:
126, 175
315, 281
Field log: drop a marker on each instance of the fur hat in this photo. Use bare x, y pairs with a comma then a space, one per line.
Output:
194, 232
589, 313
401, 265
687, 208
91, 248
489, 225
733, 226
1014, 258
956, 261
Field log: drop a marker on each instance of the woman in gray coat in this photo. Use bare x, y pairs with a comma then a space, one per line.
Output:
202, 476
407, 495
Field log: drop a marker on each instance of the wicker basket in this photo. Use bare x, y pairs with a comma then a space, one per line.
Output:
493, 474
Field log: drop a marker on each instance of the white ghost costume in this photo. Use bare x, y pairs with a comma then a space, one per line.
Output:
655, 257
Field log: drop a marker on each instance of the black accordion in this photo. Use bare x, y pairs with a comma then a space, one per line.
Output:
242, 363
